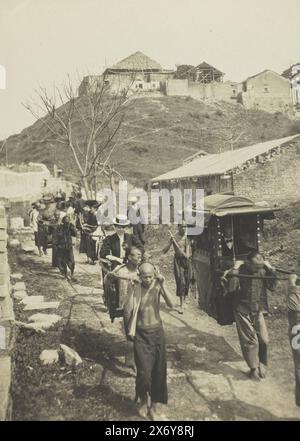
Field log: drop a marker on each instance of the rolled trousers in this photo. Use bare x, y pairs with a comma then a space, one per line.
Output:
253, 336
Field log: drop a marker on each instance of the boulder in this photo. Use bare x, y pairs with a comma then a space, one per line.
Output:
49, 356
70, 356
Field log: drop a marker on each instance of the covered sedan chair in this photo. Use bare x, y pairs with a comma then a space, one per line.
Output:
233, 226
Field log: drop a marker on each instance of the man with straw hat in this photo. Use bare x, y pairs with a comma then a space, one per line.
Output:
119, 243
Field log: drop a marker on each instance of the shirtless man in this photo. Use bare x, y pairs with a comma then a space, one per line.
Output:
126, 274
149, 341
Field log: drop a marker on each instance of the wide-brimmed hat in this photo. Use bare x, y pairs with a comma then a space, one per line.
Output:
91, 202
47, 199
121, 220
133, 199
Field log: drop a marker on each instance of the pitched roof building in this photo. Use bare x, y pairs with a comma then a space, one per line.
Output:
203, 73
260, 170
137, 62
266, 90
135, 73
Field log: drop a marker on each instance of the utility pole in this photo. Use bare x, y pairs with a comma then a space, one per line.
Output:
232, 142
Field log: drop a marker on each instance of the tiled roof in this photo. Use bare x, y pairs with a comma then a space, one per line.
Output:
137, 62
220, 163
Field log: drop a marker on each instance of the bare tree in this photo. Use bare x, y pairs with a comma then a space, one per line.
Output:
100, 113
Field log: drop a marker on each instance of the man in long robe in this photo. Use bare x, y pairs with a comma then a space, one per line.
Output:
91, 243
63, 239
33, 219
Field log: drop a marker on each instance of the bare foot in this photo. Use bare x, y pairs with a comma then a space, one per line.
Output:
154, 415
254, 375
143, 410
262, 370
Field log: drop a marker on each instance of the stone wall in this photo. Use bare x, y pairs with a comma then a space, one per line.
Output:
276, 179
133, 82
15, 184
226, 91
268, 91
6, 323
18, 185
177, 87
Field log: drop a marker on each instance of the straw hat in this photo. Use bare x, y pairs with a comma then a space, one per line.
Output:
121, 220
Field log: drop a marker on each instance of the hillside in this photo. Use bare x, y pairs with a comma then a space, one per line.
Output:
162, 131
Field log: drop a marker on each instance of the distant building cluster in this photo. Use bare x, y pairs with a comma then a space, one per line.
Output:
266, 90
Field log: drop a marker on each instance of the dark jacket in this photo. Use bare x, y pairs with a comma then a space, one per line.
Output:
240, 247
91, 219
62, 236
250, 295
111, 245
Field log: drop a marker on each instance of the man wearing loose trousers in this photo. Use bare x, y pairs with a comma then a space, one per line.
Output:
250, 304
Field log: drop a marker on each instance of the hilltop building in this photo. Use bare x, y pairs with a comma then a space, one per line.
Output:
136, 73
267, 91
203, 73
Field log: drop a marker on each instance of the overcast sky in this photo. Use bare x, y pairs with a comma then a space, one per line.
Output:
41, 41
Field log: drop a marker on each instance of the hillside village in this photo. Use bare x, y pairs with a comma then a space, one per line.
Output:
266, 90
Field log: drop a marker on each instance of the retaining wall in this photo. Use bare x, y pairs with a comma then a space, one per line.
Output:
6, 323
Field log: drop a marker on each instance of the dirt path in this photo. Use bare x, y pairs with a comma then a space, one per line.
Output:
206, 374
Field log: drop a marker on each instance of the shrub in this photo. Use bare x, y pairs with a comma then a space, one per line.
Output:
294, 128
195, 115
139, 150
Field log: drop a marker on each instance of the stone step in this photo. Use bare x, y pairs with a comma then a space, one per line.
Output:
41, 306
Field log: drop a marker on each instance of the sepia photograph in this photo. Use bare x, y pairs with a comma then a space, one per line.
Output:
149, 213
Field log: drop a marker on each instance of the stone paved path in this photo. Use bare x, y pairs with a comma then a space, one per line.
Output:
206, 374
